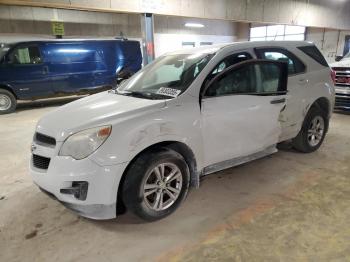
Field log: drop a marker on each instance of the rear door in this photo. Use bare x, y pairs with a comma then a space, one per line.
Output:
241, 108
27, 71
297, 82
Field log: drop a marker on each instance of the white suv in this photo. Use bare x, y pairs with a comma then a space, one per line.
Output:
186, 115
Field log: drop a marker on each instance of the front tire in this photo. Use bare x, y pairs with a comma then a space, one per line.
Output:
8, 102
155, 184
313, 131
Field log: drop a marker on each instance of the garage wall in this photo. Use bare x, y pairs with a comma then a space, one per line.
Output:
37, 21
330, 42
171, 33
316, 13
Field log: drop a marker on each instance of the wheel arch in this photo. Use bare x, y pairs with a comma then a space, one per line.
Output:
324, 104
177, 146
8, 88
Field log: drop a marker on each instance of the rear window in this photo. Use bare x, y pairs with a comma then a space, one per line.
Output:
315, 54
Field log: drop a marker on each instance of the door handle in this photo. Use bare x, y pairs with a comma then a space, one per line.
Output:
278, 101
45, 70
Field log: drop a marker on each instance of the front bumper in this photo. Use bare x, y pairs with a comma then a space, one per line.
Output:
62, 172
342, 98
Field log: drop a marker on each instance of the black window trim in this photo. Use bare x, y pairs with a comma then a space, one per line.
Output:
276, 48
323, 63
283, 65
21, 45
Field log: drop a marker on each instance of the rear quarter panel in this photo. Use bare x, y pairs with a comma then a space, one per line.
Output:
319, 84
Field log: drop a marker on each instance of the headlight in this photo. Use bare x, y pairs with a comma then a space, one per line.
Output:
82, 144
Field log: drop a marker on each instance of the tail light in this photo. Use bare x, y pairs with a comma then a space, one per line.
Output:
333, 75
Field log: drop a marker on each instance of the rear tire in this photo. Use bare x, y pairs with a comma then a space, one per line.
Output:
313, 131
155, 184
8, 102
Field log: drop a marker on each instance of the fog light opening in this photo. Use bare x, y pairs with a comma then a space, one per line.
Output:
78, 189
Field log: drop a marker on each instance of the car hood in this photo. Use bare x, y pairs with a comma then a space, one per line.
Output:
342, 63
105, 108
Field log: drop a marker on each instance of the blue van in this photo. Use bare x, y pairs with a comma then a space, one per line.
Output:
41, 69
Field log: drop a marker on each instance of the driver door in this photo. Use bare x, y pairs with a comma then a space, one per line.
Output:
27, 72
240, 110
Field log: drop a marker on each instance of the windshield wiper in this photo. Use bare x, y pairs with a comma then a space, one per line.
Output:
145, 95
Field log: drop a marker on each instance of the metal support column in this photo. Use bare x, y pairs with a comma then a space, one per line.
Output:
147, 29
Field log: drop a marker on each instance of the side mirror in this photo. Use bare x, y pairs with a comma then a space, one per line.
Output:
338, 58
124, 74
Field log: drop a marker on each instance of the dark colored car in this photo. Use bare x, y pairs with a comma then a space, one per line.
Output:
42, 69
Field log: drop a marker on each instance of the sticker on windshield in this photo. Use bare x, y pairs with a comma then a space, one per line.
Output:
168, 91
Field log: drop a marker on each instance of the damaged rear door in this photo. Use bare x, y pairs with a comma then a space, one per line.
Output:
240, 110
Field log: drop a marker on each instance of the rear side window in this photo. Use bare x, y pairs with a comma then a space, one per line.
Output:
315, 54
295, 66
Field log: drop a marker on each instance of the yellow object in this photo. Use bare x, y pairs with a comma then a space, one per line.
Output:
57, 28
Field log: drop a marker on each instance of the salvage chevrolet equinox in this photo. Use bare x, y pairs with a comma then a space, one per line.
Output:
141, 146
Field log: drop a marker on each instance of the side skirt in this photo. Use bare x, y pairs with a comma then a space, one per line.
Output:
238, 161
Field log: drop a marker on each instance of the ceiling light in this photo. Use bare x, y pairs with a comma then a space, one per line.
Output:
194, 25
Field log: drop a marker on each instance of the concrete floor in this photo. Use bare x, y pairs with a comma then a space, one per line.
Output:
285, 207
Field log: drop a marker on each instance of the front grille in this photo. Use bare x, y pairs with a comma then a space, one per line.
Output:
342, 76
342, 101
44, 139
41, 162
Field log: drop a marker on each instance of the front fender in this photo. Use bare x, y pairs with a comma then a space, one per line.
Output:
130, 138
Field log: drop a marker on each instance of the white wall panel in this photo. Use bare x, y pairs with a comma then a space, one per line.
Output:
37, 21
330, 42
236, 9
170, 32
317, 13
170, 42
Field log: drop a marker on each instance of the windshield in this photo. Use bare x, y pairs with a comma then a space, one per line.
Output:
166, 77
3, 49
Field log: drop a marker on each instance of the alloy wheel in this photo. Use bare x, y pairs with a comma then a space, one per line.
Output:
162, 186
316, 131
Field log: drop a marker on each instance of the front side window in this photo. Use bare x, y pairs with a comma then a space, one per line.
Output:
25, 55
171, 73
231, 60
253, 78
242, 80
295, 66
226, 63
